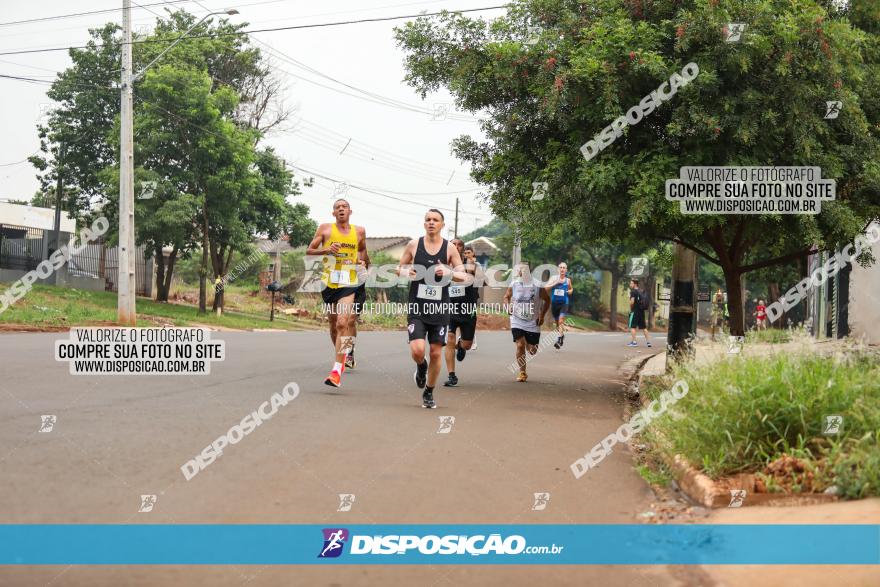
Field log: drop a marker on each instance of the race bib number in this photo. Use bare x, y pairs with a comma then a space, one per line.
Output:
429, 292
341, 277
559, 292
456, 291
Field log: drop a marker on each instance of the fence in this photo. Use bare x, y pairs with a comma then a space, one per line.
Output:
101, 261
23, 248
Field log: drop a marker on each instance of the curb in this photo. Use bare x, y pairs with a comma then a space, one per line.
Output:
700, 488
631, 370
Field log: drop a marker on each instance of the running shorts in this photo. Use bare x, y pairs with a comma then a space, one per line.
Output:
466, 324
417, 329
532, 338
334, 295
360, 297
637, 320
559, 310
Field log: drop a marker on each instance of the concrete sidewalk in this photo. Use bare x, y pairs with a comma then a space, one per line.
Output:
865, 511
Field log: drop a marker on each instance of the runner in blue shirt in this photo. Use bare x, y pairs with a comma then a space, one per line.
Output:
560, 290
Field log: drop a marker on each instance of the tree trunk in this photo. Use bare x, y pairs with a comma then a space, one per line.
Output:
161, 296
203, 269
220, 260
217, 306
215, 267
735, 306
683, 308
164, 287
773, 294
220, 304
612, 305
203, 275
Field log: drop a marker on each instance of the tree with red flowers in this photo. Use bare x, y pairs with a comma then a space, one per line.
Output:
759, 101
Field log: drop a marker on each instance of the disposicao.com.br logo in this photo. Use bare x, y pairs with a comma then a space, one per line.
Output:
494, 544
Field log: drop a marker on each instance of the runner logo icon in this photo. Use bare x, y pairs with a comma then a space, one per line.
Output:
334, 541
346, 500
541, 501
47, 423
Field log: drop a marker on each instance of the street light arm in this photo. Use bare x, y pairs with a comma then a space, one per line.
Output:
140, 74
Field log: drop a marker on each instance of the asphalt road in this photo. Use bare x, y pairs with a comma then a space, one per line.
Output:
118, 437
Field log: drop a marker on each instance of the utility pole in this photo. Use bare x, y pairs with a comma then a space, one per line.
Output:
516, 256
125, 278
682, 310
59, 188
456, 217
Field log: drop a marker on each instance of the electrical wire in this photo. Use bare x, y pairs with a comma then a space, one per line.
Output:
78, 14
267, 30
373, 96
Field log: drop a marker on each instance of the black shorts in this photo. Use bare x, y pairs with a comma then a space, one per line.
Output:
466, 324
333, 295
360, 297
417, 329
532, 338
637, 320
557, 309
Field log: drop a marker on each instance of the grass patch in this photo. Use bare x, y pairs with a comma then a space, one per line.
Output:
50, 306
770, 335
751, 413
655, 473
583, 322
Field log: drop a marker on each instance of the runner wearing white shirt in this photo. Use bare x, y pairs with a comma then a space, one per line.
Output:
526, 315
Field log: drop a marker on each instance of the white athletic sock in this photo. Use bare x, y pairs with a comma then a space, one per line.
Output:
337, 367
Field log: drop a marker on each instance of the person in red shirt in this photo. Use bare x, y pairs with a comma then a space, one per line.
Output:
761, 315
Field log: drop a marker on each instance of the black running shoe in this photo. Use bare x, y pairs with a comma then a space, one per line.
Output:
452, 381
421, 375
428, 400
459, 352
558, 344
561, 341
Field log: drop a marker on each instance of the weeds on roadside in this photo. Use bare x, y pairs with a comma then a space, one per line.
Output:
746, 413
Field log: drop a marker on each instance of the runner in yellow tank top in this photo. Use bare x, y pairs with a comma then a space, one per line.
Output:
339, 268
344, 247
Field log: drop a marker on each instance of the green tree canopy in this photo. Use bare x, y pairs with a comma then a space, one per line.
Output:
547, 90
200, 113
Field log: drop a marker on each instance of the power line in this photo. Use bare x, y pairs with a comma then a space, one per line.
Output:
371, 95
363, 188
331, 147
364, 94
25, 79
366, 146
362, 155
315, 137
13, 163
378, 193
268, 30
77, 14
361, 93
239, 6
387, 159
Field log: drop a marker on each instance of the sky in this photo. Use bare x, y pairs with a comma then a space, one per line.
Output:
401, 150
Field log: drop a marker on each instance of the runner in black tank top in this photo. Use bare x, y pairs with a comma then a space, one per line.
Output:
463, 319
426, 296
427, 314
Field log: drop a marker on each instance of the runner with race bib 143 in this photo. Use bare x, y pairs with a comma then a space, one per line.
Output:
428, 316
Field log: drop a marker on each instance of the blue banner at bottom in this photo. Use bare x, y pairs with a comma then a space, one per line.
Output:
258, 544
